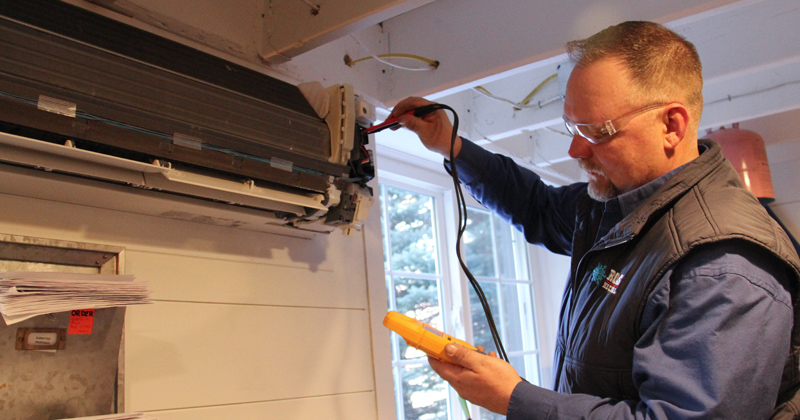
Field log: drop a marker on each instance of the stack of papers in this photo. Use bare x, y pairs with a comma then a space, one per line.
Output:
123, 416
25, 294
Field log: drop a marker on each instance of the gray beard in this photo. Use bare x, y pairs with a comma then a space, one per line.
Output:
600, 191
602, 194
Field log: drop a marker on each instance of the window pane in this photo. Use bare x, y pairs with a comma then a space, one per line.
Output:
478, 243
389, 290
418, 299
517, 317
481, 334
411, 231
424, 393
505, 251
384, 229
527, 366
497, 255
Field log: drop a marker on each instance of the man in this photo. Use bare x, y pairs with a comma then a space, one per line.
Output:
680, 298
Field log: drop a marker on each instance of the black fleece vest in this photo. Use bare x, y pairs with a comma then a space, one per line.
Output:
610, 280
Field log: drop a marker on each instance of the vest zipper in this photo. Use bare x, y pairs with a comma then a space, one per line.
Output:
573, 294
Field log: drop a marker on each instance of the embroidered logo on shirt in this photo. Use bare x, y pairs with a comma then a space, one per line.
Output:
612, 282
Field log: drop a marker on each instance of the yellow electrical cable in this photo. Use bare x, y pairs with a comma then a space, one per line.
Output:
529, 96
537, 88
433, 63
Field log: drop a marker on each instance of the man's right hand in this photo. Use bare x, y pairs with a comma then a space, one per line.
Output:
434, 130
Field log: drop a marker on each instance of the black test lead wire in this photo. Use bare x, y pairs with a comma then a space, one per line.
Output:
462, 223
462, 219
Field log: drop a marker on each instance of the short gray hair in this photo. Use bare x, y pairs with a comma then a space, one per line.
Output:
662, 64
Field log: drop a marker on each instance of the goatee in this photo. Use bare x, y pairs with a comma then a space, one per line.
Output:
600, 187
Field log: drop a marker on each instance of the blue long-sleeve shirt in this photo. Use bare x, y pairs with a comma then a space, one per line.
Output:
716, 328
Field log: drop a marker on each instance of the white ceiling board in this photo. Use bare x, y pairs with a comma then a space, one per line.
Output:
751, 59
526, 153
736, 63
541, 148
772, 89
327, 65
495, 119
498, 117
294, 27
743, 35
749, 73
474, 39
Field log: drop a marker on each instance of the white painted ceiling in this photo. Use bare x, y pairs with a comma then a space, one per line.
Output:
750, 51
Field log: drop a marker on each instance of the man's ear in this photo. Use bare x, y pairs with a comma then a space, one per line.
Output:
676, 122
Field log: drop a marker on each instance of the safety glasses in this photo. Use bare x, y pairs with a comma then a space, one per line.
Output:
602, 132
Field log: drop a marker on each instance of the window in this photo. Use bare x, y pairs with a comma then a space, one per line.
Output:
414, 284
418, 285
495, 254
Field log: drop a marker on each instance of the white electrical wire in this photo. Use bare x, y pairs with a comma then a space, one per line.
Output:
376, 57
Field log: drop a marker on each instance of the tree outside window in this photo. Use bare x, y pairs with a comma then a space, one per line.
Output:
413, 281
495, 254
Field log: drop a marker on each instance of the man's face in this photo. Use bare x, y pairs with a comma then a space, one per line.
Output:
629, 158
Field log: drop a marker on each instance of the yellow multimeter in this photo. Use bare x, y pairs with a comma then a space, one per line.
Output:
422, 336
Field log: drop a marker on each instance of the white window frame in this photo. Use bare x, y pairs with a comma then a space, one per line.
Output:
451, 297
546, 270
520, 253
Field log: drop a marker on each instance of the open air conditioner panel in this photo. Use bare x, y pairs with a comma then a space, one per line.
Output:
122, 105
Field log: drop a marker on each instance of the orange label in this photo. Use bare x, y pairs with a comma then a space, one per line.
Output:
81, 321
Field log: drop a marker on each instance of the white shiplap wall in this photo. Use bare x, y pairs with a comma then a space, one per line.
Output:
245, 325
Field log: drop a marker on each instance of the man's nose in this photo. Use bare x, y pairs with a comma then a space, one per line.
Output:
580, 148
